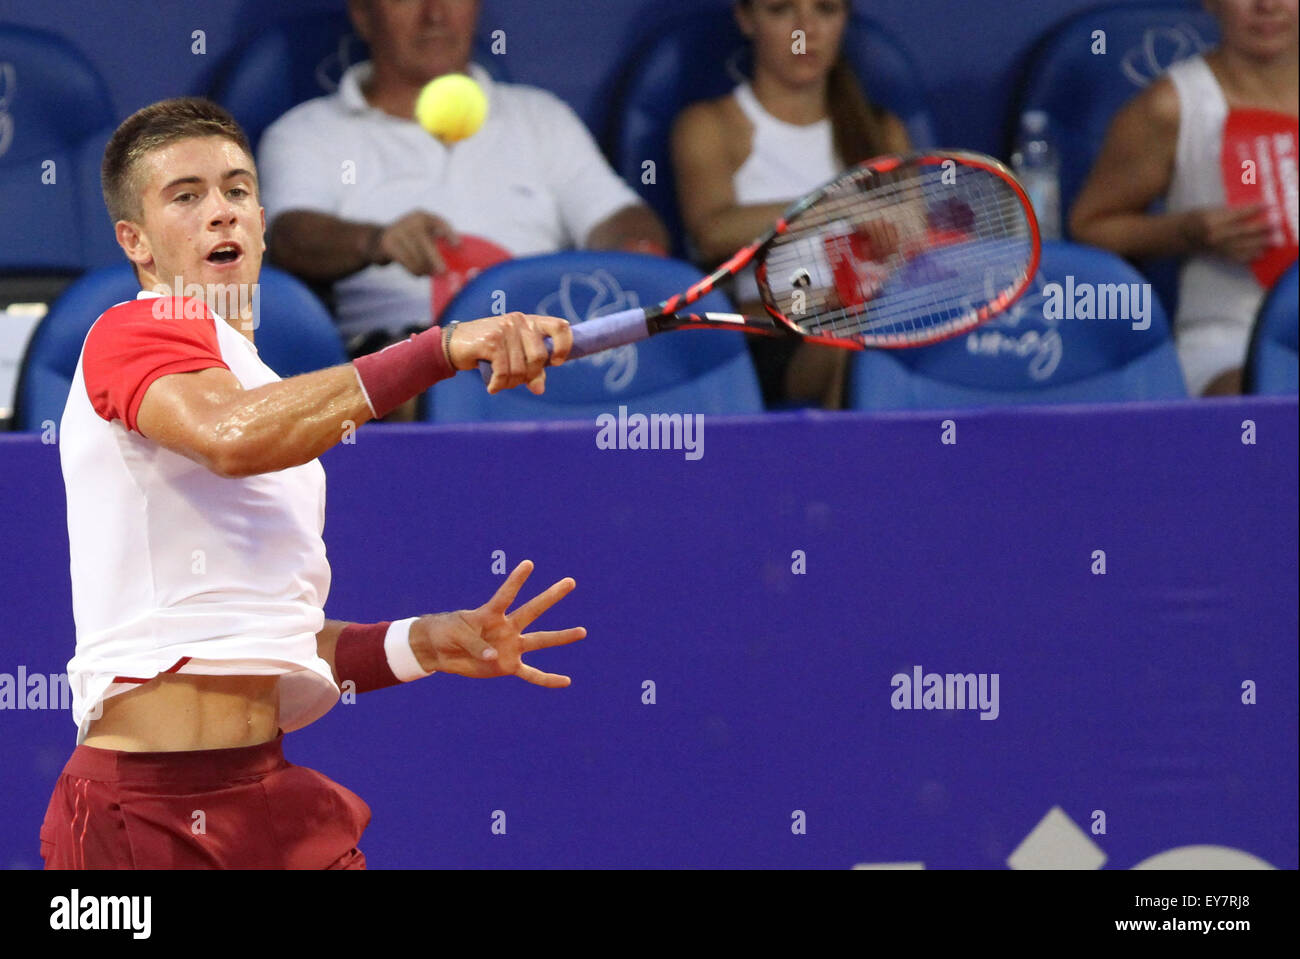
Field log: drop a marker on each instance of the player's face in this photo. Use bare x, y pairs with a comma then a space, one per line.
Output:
419, 39
1258, 28
797, 59
202, 219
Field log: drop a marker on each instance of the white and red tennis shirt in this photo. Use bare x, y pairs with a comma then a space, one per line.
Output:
174, 568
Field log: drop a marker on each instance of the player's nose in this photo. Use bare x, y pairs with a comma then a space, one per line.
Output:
224, 211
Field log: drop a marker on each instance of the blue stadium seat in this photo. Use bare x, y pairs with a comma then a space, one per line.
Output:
1081, 91
1273, 361
690, 371
1030, 355
295, 334
296, 60
706, 56
55, 117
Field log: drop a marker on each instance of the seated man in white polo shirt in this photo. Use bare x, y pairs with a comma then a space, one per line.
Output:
358, 195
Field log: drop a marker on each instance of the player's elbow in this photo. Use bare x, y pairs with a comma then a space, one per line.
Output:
230, 455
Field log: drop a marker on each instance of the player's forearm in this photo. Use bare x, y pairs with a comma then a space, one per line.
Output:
420, 640
1135, 234
290, 422
374, 656
723, 233
321, 248
327, 641
629, 228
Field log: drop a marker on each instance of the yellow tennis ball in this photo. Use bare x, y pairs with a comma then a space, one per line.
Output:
451, 107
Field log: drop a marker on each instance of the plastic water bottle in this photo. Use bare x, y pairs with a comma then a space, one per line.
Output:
1038, 167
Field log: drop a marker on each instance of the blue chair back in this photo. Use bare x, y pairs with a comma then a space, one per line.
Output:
1070, 339
55, 117
294, 334
1273, 361
689, 371
296, 60
706, 56
1081, 91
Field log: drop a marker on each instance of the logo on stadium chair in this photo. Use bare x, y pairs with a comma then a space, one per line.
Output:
8, 84
1160, 48
1042, 348
585, 296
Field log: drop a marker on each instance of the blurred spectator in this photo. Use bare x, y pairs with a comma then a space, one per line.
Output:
740, 160
358, 195
1184, 138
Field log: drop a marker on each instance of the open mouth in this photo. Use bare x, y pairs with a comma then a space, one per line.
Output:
225, 253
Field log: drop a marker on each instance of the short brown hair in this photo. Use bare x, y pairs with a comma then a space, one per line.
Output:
149, 129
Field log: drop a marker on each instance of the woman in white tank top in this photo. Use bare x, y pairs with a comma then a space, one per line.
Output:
742, 159
1168, 142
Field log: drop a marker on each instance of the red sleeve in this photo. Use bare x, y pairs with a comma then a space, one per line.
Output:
133, 344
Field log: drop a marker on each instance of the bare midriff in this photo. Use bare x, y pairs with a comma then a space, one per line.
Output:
176, 712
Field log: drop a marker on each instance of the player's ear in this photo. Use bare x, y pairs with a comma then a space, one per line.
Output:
131, 238
261, 211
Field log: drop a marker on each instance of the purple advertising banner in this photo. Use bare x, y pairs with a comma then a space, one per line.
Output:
1057, 636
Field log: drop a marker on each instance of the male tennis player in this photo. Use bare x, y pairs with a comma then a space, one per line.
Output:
195, 512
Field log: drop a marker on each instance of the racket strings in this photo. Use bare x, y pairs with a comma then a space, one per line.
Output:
902, 256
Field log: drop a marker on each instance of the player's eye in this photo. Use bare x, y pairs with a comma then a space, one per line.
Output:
238, 191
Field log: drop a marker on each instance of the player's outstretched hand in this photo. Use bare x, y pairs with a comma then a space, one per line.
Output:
515, 345
490, 641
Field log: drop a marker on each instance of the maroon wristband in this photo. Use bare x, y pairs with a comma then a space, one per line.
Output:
359, 657
398, 372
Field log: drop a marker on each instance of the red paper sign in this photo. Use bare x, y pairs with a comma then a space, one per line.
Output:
1259, 166
464, 261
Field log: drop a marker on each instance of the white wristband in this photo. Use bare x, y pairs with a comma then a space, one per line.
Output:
401, 658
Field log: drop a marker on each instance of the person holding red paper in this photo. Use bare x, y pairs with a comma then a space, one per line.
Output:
1216, 137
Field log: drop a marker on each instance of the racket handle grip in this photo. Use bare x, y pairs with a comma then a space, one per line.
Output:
597, 335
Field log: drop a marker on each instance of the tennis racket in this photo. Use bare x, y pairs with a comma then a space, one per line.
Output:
899, 251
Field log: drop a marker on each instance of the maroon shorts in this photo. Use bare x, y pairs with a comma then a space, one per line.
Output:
205, 809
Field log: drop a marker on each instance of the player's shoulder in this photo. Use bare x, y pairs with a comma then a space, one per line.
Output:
154, 317
127, 314
153, 308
